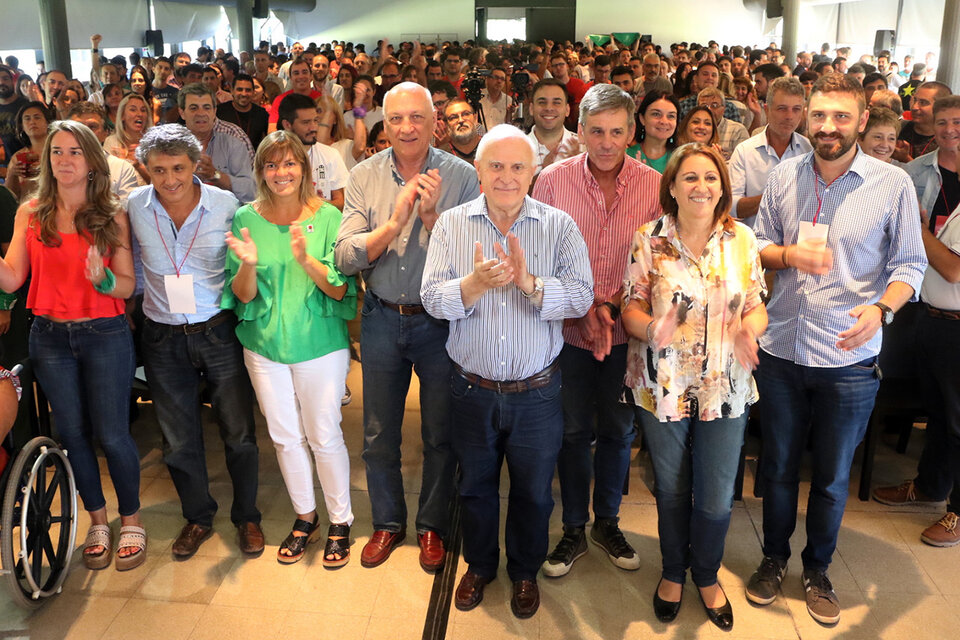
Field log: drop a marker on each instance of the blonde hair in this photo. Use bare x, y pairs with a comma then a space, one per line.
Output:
95, 220
327, 104
274, 148
122, 134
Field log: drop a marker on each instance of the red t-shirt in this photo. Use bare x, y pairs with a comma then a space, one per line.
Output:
274, 109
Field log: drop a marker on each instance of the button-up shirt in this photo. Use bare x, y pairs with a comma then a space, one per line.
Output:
874, 233
689, 103
229, 156
569, 185
729, 135
927, 179
751, 163
937, 291
369, 199
503, 336
568, 141
199, 244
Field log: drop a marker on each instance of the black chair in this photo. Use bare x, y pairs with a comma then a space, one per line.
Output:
900, 395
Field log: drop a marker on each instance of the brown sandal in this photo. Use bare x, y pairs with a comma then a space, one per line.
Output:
98, 535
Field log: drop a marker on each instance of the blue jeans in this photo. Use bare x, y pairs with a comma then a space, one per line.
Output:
393, 345
86, 369
695, 465
176, 364
832, 406
526, 429
591, 394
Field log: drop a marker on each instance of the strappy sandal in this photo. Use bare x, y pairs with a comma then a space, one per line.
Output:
336, 552
132, 536
296, 545
98, 535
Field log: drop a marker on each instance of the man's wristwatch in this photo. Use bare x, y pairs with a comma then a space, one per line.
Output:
537, 288
886, 314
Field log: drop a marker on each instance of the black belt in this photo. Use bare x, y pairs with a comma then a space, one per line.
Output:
197, 327
402, 309
944, 314
536, 381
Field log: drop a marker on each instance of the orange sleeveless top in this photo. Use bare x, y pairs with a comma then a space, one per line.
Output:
58, 286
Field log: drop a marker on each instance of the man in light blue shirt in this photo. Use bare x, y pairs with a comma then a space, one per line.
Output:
506, 318
753, 159
178, 226
842, 232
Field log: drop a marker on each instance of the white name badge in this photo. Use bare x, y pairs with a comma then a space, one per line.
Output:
180, 293
810, 231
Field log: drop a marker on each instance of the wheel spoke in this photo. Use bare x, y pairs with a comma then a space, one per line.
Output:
35, 543
51, 491
49, 550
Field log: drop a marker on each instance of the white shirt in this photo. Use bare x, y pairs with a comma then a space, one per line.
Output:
751, 163
569, 140
327, 168
495, 113
373, 117
936, 291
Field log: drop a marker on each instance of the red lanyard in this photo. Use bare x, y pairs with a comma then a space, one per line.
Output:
164, 243
816, 191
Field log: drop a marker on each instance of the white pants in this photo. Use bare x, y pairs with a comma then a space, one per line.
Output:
301, 403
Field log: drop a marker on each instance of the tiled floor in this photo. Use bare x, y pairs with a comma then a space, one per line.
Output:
891, 585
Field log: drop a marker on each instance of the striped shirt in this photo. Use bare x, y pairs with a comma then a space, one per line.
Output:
569, 185
503, 336
751, 163
874, 232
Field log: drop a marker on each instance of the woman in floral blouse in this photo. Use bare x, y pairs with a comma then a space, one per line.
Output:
693, 311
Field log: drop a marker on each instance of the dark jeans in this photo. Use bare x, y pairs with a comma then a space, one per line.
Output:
695, 464
393, 345
832, 406
526, 429
175, 365
591, 390
938, 346
86, 370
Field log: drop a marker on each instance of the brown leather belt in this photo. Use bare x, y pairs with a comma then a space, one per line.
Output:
943, 313
197, 327
403, 309
536, 381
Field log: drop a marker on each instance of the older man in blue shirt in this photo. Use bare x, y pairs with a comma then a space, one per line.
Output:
179, 226
506, 318
842, 232
225, 160
392, 202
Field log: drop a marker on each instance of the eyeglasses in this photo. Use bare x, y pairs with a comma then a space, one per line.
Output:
712, 105
463, 115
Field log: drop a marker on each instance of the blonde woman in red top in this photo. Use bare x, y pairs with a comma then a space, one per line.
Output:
73, 240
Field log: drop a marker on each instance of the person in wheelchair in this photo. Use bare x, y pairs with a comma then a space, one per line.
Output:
73, 239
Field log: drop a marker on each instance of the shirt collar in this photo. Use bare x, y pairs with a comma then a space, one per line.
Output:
432, 161
527, 210
622, 177
859, 166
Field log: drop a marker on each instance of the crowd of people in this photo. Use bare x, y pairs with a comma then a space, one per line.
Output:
682, 236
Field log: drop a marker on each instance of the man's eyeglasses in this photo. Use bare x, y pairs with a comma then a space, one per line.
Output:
463, 115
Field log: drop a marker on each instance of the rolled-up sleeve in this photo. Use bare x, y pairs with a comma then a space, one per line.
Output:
350, 250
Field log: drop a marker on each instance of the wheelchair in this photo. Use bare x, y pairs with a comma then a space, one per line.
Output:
38, 507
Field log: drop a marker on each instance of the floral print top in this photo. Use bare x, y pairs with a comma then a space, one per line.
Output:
696, 374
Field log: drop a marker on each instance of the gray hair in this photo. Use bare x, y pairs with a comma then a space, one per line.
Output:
195, 89
505, 132
408, 87
170, 140
790, 86
606, 97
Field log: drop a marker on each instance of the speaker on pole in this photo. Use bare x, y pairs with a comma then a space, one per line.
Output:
884, 40
153, 39
261, 9
774, 9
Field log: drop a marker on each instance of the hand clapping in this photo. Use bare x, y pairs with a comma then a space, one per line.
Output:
244, 249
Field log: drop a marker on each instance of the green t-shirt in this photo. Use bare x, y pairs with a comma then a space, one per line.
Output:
660, 164
291, 320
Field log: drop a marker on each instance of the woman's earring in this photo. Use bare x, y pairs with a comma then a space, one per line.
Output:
91, 175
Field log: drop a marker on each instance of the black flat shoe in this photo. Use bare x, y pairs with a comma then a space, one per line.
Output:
665, 610
721, 616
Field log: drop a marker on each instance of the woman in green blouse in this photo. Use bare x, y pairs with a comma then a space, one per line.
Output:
293, 306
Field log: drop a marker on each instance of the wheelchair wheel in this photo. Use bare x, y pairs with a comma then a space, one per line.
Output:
38, 527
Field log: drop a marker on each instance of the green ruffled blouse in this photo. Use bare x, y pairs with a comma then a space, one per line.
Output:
290, 320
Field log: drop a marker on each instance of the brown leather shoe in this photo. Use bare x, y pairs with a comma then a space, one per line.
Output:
380, 547
432, 554
470, 591
251, 538
526, 598
189, 540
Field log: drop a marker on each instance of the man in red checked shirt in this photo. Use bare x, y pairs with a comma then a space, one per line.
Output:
609, 195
